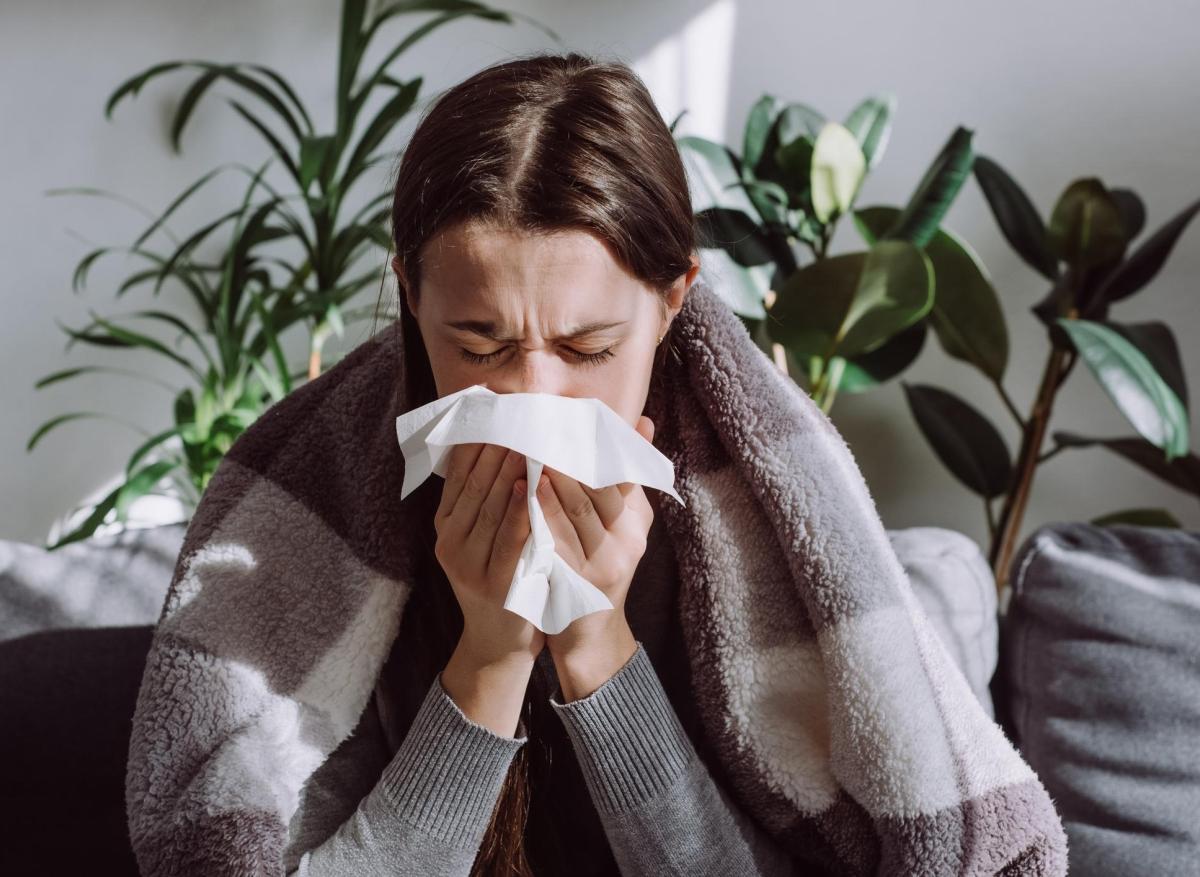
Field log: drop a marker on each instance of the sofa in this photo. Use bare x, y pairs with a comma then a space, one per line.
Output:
1091, 666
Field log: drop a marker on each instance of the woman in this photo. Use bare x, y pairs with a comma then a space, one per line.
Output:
335, 685
553, 262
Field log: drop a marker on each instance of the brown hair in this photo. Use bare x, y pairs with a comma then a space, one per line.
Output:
540, 144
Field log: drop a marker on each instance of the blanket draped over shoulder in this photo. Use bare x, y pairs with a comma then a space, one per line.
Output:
840, 721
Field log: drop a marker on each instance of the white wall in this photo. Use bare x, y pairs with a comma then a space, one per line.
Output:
1053, 91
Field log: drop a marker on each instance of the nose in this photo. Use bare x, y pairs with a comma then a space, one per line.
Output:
534, 373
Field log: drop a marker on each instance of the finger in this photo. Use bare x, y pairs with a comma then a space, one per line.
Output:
513, 531
579, 508
459, 462
608, 502
475, 488
492, 511
566, 536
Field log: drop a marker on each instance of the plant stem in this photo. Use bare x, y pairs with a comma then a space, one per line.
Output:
1008, 403
314, 361
1003, 547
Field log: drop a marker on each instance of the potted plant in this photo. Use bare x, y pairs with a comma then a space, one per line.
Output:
248, 295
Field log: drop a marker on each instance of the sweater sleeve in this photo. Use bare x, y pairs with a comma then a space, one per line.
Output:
431, 806
661, 810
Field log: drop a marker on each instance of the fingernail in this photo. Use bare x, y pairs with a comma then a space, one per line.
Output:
512, 456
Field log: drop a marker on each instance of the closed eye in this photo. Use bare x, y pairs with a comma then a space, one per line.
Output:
578, 356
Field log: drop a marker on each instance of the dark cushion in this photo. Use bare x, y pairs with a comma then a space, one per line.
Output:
66, 701
1100, 648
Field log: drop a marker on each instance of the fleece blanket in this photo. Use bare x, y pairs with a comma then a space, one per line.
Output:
840, 721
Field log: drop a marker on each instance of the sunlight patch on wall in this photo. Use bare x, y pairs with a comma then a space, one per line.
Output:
691, 71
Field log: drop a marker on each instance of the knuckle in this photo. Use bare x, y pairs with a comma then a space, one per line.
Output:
472, 489
486, 518
581, 509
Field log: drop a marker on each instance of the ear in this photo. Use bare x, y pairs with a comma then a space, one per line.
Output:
680, 290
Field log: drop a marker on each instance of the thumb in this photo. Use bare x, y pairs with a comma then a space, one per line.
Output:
645, 426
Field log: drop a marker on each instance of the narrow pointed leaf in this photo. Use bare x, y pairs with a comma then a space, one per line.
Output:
1144, 263
1019, 221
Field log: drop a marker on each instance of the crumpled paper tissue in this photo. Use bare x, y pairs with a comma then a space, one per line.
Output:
583, 438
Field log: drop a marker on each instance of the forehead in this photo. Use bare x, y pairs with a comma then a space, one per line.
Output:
473, 265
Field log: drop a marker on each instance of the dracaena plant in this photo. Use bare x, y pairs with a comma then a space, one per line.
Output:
834, 323
1087, 254
247, 295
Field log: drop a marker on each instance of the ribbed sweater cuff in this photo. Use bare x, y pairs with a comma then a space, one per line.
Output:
629, 742
446, 776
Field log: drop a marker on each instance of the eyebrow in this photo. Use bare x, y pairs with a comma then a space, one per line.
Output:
487, 329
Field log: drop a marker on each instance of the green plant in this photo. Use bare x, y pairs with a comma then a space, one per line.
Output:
1084, 253
843, 322
250, 294
856, 320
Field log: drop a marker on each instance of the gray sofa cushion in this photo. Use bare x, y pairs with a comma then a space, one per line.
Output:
1101, 650
954, 584
106, 581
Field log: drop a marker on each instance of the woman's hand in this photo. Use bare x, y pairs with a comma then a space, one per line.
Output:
482, 523
602, 535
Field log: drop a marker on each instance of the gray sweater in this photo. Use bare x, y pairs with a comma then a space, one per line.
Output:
661, 810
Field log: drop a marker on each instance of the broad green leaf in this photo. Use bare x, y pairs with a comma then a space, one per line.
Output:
894, 291
1129, 379
871, 124
851, 304
936, 192
838, 169
1085, 226
868, 370
742, 289
793, 170
794, 121
715, 172
1132, 210
736, 233
758, 126
1157, 343
963, 438
966, 314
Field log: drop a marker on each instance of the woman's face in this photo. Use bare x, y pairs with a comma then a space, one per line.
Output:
539, 314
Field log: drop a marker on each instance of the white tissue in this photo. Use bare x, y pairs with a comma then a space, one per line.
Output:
582, 438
